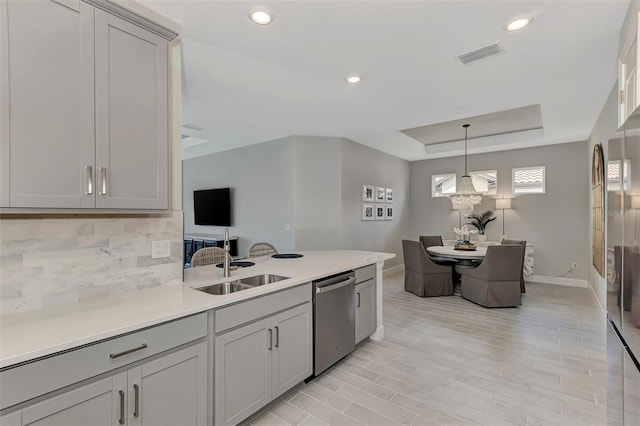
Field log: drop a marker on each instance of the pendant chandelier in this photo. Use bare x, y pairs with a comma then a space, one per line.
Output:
466, 195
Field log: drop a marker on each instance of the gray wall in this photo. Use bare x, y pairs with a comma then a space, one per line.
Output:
554, 222
261, 178
311, 183
363, 165
318, 193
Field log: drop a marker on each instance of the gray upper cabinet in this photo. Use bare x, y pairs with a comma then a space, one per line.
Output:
46, 102
83, 109
131, 116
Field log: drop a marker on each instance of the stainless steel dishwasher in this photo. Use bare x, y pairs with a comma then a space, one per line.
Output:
334, 319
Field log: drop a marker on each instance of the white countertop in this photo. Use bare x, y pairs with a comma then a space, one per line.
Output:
31, 335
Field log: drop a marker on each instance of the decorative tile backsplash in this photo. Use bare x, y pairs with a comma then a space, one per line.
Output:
55, 259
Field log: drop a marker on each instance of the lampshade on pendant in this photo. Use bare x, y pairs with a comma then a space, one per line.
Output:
466, 195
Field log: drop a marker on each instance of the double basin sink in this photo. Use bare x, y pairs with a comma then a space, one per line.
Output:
241, 284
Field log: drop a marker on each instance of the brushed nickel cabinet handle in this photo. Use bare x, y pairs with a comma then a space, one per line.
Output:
121, 420
277, 336
136, 407
128, 351
270, 339
88, 173
103, 184
358, 300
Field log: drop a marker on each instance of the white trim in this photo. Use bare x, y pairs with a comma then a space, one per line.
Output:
601, 309
569, 282
393, 270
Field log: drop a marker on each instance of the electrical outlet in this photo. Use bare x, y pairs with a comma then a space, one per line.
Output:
160, 249
574, 266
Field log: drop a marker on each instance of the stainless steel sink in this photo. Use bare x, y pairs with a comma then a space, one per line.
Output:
241, 284
263, 279
225, 288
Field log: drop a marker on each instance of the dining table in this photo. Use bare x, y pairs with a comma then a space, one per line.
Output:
464, 257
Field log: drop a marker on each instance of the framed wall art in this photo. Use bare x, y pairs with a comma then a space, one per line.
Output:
388, 212
389, 195
367, 193
368, 212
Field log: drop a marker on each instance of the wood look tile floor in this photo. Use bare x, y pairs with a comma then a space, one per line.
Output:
447, 361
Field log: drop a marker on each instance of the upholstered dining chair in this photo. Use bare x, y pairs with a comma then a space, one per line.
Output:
496, 282
524, 251
436, 240
208, 256
422, 276
262, 249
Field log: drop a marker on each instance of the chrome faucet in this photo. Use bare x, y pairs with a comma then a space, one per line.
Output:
227, 272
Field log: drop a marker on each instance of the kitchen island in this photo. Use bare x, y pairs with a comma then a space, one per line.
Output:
130, 333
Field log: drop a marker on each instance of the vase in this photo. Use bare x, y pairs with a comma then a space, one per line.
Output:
482, 237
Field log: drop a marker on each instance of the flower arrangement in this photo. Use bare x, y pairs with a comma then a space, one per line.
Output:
464, 233
480, 221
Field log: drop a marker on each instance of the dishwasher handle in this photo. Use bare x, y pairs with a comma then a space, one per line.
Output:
340, 284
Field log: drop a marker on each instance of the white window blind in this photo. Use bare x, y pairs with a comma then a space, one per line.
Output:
528, 180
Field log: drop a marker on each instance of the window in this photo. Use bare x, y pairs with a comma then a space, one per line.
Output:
616, 180
528, 180
443, 185
485, 181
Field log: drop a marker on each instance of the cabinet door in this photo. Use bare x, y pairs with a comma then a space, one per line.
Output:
242, 377
293, 348
171, 390
46, 103
13, 419
365, 310
98, 403
131, 116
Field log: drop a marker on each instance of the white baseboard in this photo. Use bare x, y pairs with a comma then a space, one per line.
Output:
601, 310
570, 282
393, 270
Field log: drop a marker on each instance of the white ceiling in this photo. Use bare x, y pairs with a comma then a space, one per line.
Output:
245, 84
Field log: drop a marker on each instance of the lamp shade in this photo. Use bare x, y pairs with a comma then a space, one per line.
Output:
503, 203
635, 201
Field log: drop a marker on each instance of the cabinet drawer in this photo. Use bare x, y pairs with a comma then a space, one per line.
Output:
29, 380
365, 273
251, 310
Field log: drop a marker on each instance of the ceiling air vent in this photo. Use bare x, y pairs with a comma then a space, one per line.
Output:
492, 49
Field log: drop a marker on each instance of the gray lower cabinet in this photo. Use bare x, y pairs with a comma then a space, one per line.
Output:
365, 309
97, 402
366, 318
257, 362
83, 109
170, 390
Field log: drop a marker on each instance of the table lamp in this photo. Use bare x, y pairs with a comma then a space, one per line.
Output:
503, 204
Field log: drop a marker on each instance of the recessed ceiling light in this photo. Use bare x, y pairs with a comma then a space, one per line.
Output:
353, 79
260, 15
518, 23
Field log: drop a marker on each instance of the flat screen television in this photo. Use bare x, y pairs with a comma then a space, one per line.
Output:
212, 207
